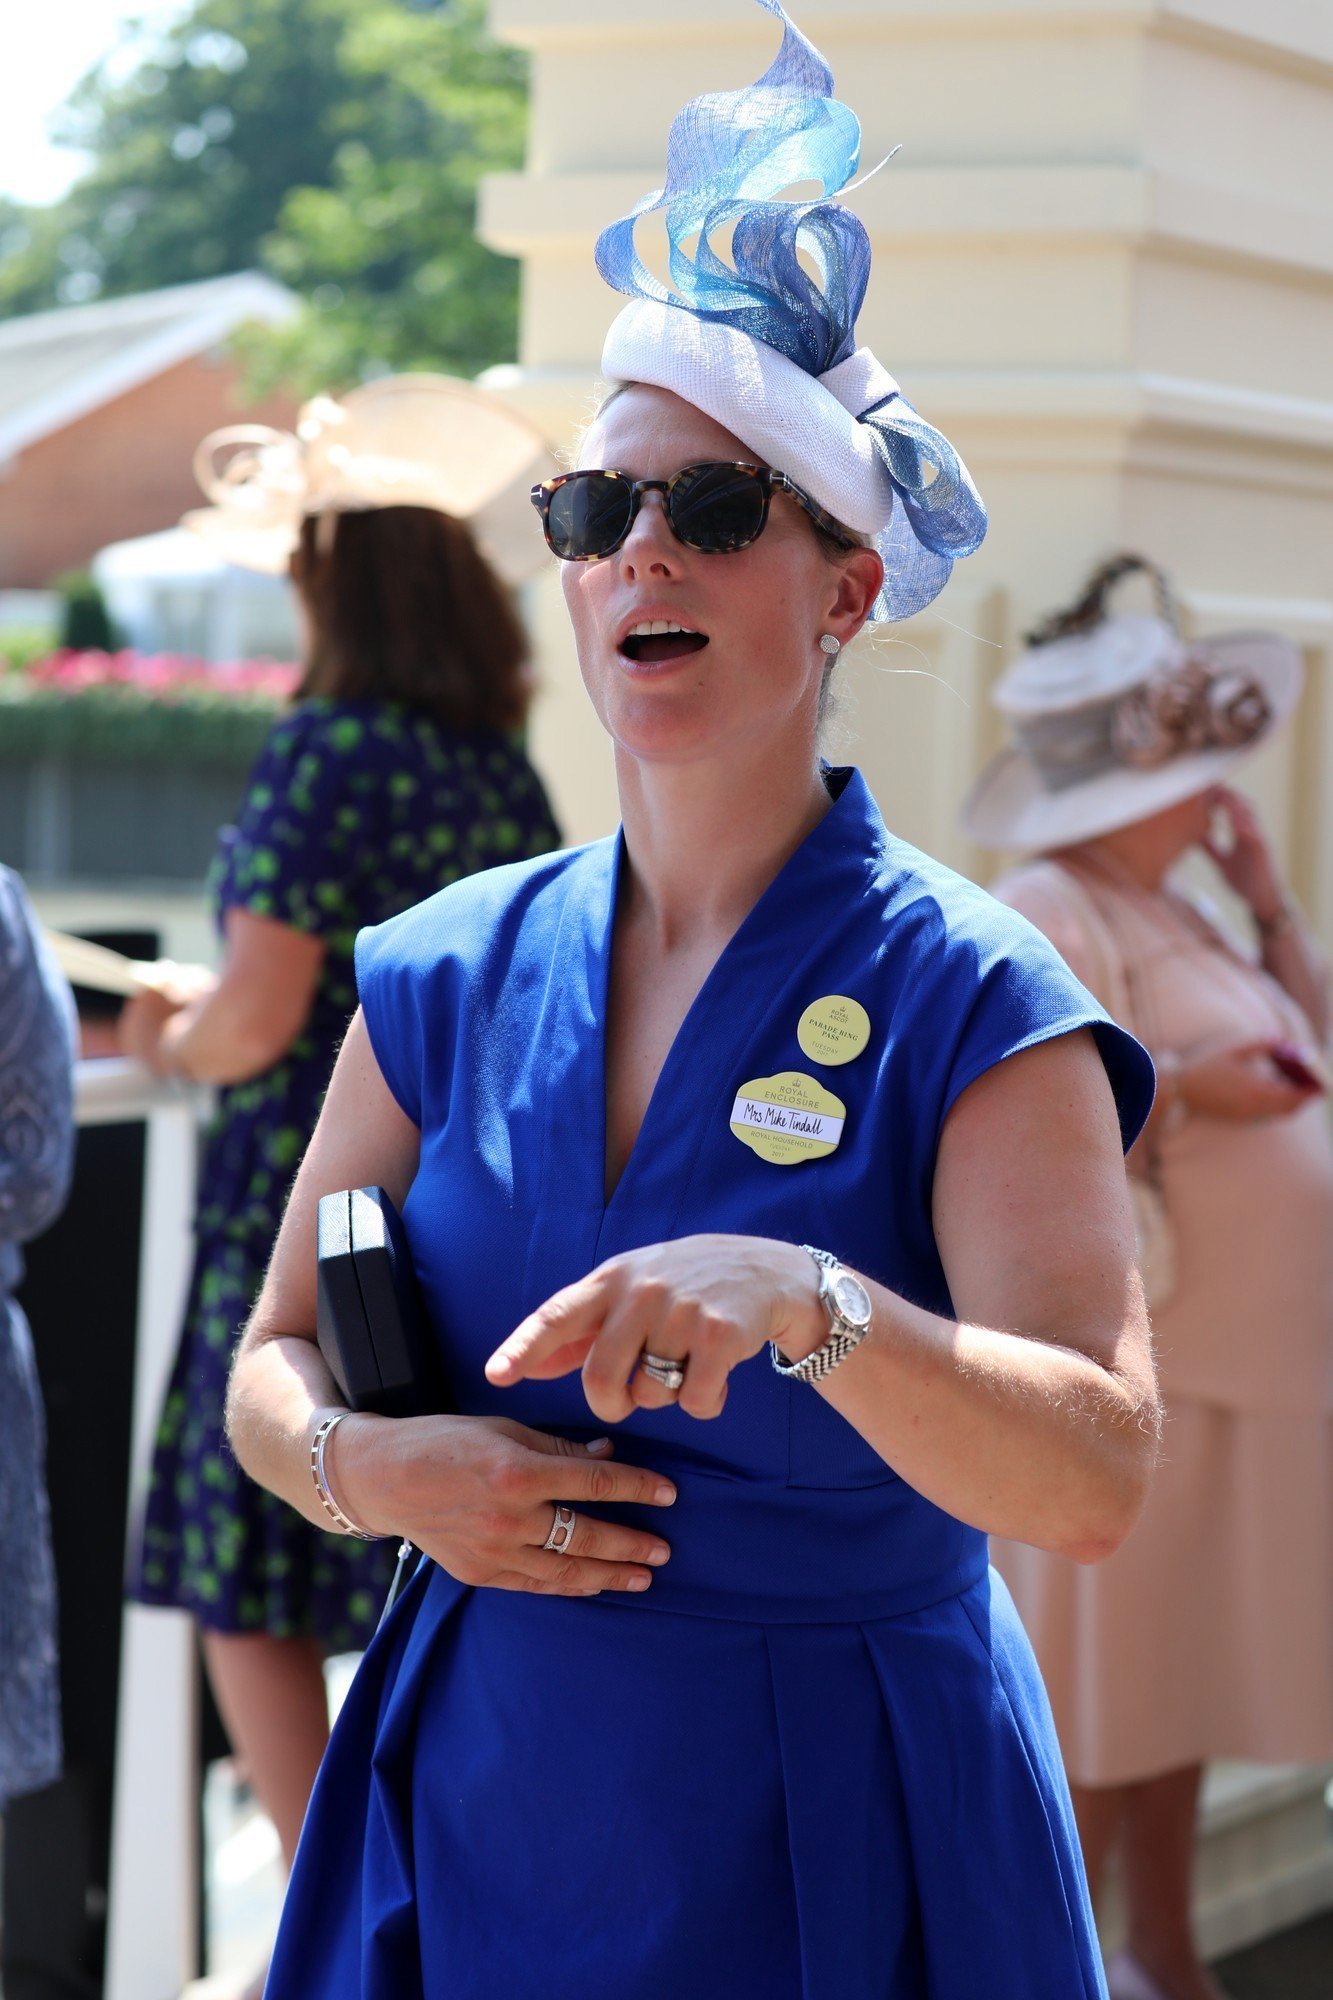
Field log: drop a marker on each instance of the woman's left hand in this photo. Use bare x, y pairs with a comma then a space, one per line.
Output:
704, 1302
1246, 861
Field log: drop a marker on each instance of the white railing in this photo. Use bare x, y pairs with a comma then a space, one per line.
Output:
153, 1916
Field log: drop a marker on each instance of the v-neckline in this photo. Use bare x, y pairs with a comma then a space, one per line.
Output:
718, 973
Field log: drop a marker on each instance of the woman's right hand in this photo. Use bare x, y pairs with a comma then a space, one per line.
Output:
1240, 1083
144, 1016
478, 1495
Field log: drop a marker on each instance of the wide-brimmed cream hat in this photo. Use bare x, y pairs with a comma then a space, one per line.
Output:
1121, 717
403, 441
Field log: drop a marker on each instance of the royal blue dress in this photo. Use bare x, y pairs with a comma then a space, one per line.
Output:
815, 1759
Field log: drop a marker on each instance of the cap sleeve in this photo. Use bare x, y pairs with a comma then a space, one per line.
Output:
391, 997
300, 836
1028, 992
1038, 892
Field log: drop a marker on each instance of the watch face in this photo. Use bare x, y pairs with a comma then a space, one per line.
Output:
851, 1299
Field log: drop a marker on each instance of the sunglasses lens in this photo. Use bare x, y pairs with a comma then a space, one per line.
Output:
589, 514
717, 508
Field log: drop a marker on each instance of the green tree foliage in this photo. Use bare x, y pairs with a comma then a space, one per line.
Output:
387, 255
336, 143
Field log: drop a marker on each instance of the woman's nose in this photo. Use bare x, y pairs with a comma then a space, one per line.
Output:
650, 548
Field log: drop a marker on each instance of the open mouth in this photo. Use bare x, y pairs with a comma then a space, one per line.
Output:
660, 639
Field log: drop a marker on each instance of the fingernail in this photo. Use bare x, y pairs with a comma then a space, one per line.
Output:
639, 1582
658, 1556
664, 1493
599, 1447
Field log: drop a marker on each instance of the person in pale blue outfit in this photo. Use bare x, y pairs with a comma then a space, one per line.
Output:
36, 1159
763, 1180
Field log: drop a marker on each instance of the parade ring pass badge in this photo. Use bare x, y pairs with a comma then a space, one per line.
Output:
833, 1030
788, 1118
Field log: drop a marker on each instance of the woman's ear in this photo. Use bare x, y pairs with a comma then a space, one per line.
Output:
860, 580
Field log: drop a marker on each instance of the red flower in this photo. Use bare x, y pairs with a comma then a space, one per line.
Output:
165, 676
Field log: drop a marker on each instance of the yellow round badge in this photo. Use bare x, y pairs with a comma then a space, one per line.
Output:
788, 1118
833, 1030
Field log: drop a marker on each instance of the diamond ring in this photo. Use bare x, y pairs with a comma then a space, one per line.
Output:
660, 1369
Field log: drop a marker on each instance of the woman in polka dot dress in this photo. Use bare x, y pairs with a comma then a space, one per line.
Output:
394, 773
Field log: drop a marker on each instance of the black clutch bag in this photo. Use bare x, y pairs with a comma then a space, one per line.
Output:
371, 1325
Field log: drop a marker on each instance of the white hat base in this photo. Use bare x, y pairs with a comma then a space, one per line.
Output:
804, 425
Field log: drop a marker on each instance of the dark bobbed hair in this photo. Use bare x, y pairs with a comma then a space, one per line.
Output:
402, 606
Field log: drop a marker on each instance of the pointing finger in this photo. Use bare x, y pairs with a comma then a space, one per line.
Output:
552, 1341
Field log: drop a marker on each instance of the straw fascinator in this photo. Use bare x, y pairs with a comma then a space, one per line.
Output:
403, 441
1117, 718
769, 351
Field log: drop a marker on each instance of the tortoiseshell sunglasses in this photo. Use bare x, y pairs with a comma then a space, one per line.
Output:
716, 508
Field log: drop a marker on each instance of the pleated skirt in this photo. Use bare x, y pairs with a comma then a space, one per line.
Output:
546, 1799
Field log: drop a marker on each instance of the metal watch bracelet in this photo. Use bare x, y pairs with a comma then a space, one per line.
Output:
844, 1334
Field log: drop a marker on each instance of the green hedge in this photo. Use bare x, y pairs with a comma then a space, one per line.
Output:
115, 709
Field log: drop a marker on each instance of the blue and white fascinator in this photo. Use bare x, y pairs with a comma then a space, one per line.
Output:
766, 349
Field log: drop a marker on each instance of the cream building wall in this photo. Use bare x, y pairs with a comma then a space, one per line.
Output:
1103, 264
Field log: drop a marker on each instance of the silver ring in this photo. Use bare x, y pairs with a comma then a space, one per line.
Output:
658, 1368
562, 1531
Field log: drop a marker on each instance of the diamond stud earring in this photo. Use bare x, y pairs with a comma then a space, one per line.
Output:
828, 644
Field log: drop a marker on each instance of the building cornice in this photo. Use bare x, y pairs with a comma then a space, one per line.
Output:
536, 215
1173, 425
1281, 31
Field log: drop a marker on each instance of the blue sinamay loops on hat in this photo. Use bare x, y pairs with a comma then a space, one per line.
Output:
942, 517
729, 157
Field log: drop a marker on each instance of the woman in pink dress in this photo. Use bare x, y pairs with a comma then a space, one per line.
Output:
1210, 1633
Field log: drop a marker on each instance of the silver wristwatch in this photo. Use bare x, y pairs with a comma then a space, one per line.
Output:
847, 1303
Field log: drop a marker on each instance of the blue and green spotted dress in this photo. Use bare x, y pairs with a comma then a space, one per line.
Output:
355, 811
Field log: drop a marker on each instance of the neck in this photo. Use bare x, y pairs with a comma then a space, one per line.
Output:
704, 840
1140, 851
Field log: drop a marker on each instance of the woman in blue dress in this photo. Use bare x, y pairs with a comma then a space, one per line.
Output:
764, 1182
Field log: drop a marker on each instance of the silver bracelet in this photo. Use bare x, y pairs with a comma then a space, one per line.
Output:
318, 1445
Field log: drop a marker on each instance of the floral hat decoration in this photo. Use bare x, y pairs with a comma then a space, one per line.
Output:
1117, 718
416, 440
768, 350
